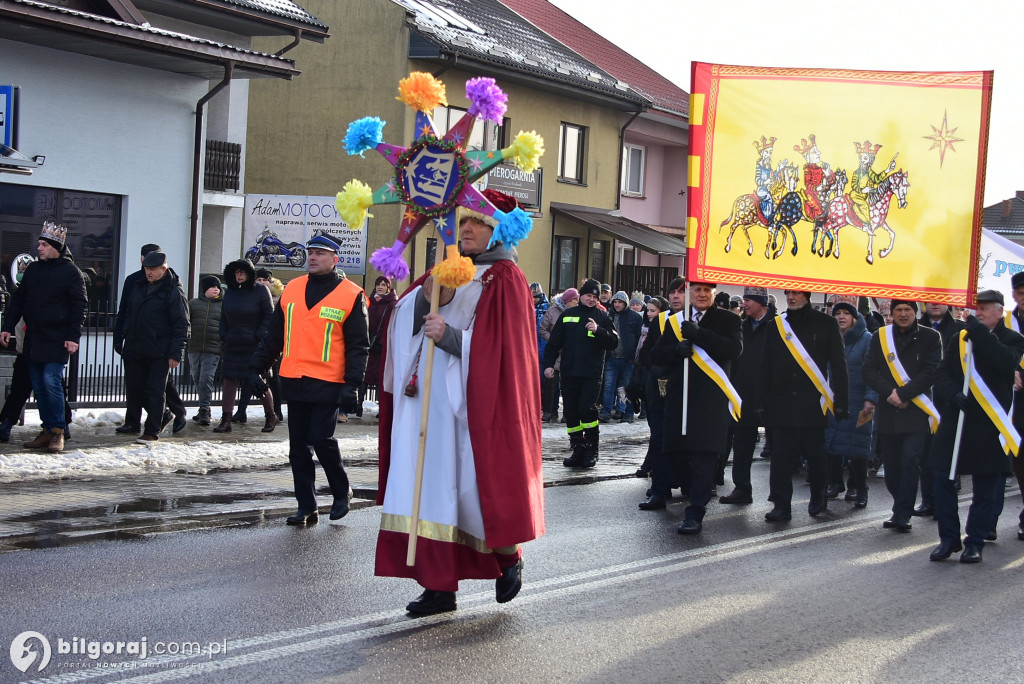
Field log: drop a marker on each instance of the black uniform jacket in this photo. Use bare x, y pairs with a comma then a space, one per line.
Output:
582, 351
708, 418
744, 370
156, 320
920, 351
996, 355
783, 390
52, 300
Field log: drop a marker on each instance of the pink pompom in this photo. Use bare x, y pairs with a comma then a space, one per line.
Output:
389, 261
489, 102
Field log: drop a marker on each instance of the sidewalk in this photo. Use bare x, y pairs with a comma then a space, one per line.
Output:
106, 485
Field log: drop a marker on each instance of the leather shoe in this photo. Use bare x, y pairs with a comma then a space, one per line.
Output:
1020, 533
179, 424
128, 429
834, 490
923, 511
972, 554
166, 420
432, 602
302, 517
898, 525
778, 515
340, 507
656, 502
816, 507
738, 496
992, 536
508, 585
945, 549
690, 526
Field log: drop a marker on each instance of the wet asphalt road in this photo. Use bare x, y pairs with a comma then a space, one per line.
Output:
611, 594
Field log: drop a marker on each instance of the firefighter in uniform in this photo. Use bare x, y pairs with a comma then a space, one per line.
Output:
321, 329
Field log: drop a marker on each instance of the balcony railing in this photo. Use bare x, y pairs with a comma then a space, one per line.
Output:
223, 165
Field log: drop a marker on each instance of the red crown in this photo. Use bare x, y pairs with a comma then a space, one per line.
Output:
867, 148
765, 144
804, 147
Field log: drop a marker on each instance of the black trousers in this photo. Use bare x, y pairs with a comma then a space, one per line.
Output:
902, 455
789, 444
744, 441
311, 429
579, 400
147, 384
135, 400
702, 465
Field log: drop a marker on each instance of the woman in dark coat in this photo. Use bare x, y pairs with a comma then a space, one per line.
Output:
382, 301
244, 316
844, 441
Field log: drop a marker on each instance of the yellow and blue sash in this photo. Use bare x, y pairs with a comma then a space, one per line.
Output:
709, 366
804, 360
1009, 439
900, 375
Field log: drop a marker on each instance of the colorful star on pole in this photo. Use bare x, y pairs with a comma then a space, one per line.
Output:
943, 139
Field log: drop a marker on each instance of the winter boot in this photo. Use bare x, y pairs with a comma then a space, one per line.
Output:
225, 424
859, 475
5, 430
576, 442
56, 440
590, 442
41, 441
203, 417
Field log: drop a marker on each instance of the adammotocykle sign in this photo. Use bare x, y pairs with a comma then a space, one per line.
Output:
842, 181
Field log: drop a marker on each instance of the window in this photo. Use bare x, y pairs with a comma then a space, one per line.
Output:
446, 117
572, 142
633, 170
564, 268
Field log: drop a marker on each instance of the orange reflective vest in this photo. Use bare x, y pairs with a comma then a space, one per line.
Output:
314, 344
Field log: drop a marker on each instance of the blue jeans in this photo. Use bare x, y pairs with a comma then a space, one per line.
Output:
204, 367
46, 384
617, 373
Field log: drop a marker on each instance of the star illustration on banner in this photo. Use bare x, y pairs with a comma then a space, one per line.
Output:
943, 138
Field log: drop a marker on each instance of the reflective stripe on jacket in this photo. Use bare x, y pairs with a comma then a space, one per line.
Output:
314, 343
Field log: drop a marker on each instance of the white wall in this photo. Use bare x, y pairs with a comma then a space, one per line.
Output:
112, 128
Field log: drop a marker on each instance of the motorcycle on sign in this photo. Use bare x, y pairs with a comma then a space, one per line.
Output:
270, 249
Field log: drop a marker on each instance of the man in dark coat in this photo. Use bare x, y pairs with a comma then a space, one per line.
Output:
902, 412
793, 405
52, 300
744, 375
1014, 320
996, 352
618, 366
582, 335
133, 410
718, 332
156, 329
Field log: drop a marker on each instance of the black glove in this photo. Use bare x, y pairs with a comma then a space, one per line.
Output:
959, 401
255, 385
842, 414
974, 327
349, 402
689, 329
684, 349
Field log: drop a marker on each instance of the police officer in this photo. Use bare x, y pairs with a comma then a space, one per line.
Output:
321, 328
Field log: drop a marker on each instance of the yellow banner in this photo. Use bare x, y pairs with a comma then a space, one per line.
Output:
850, 182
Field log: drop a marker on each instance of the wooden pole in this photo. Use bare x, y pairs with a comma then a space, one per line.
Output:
435, 302
686, 362
960, 415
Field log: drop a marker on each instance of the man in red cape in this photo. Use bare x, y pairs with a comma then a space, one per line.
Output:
483, 489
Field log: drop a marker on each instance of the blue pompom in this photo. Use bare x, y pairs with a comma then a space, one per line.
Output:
513, 227
364, 134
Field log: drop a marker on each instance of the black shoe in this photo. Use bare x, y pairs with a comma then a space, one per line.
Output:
851, 494
589, 460
923, 511
166, 419
992, 536
898, 525
816, 507
302, 517
642, 472
778, 515
239, 417
972, 554
508, 585
945, 549
656, 502
833, 491
574, 461
690, 526
861, 500
128, 429
5, 430
432, 602
738, 496
1020, 533
179, 424
340, 507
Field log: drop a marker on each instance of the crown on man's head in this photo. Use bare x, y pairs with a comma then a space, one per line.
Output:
867, 148
804, 147
54, 232
764, 144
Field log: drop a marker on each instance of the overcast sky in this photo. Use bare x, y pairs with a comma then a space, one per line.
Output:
900, 35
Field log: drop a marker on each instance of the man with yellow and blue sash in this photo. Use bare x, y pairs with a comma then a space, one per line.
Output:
802, 378
710, 340
989, 353
900, 366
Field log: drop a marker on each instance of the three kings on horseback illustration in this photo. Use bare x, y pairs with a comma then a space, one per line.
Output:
777, 204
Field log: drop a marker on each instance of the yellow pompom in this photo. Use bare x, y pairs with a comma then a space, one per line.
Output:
455, 271
422, 92
526, 151
353, 202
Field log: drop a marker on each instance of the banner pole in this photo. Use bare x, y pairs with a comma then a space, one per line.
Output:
960, 415
686, 362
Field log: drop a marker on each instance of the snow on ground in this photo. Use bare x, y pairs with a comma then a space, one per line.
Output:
194, 455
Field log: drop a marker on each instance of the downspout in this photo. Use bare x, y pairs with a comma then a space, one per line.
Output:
193, 246
622, 141
289, 46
